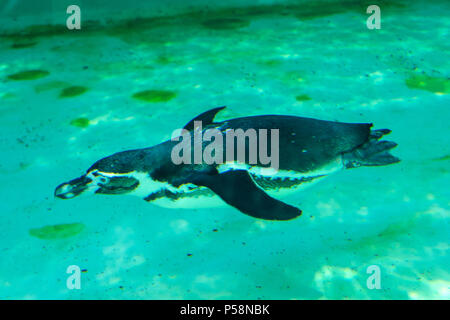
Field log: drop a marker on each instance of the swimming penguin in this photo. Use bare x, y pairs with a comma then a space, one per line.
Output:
308, 150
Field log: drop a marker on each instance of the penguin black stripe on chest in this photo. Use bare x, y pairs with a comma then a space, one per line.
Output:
308, 150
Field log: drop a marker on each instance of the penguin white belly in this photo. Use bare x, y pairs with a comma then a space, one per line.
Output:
202, 197
210, 200
187, 196
307, 178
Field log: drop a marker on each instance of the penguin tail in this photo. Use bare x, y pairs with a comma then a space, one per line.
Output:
372, 153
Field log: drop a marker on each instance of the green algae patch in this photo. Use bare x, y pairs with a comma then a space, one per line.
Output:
155, 95
34, 32
45, 30
295, 77
24, 165
57, 231
302, 97
271, 63
225, 23
8, 95
443, 158
23, 45
165, 60
28, 75
129, 26
80, 122
72, 91
312, 10
432, 84
320, 11
49, 86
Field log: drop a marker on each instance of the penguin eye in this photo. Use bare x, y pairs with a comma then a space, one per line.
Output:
103, 180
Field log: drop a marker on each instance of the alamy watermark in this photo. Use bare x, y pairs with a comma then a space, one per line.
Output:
374, 21
213, 152
374, 280
73, 22
74, 280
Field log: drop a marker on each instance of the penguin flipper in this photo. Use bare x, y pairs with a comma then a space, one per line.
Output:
237, 188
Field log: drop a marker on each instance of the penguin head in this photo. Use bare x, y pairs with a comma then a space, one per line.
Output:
97, 182
110, 175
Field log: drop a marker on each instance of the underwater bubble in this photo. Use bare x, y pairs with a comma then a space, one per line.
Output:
57, 231
72, 91
225, 23
155, 95
80, 122
29, 75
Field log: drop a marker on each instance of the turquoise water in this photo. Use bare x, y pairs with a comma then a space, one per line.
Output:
68, 98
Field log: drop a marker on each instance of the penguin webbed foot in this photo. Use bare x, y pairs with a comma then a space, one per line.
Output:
372, 153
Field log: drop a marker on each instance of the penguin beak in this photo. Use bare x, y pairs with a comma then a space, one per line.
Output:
73, 188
